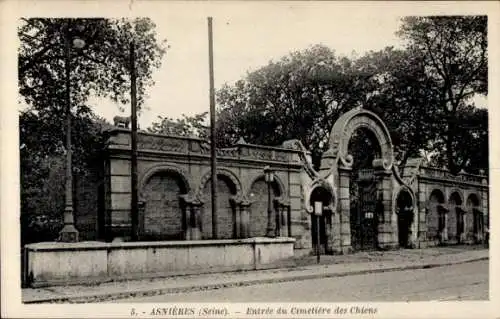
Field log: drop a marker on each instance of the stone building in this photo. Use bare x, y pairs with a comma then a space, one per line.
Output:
421, 206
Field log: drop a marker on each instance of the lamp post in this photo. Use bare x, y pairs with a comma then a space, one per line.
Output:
134, 200
318, 211
269, 178
69, 233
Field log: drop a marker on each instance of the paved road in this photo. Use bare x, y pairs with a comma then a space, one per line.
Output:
458, 282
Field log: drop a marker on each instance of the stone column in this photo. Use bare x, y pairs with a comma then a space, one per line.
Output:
244, 225
189, 221
480, 226
284, 210
277, 218
289, 220
445, 229
421, 218
484, 204
237, 218
193, 217
344, 209
464, 225
196, 220
412, 225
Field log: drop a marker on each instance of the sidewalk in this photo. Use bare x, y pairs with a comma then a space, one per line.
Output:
330, 266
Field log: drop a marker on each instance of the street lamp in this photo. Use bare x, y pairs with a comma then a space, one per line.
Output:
69, 233
269, 178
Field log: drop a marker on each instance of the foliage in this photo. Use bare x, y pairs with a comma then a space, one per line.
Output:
100, 68
42, 159
190, 126
405, 98
422, 93
42, 144
299, 96
454, 49
470, 146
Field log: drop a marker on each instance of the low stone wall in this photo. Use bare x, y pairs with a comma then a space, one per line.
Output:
50, 264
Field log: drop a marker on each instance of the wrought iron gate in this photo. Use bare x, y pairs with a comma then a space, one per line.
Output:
364, 219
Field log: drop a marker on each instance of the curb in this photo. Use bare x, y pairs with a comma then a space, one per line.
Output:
160, 291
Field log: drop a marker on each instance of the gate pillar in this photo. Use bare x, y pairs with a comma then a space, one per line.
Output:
387, 236
344, 209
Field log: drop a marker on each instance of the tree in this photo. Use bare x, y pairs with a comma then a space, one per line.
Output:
43, 170
299, 96
455, 54
189, 126
101, 68
471, 143
405, 98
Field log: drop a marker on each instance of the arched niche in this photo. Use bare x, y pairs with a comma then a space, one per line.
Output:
223, 173
474, 217
404, 206
161, 190
168, 169
228, 188
258, 197
321, 225
456, 216
436, 215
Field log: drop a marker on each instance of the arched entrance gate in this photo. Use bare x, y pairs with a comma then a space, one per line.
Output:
365, 216
321, 223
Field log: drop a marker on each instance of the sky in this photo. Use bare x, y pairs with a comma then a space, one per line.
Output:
245, 38
247, 35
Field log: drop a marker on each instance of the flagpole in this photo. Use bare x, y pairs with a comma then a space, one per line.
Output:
212, 131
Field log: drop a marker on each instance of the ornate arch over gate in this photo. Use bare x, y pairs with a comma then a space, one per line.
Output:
347, 124
374, 223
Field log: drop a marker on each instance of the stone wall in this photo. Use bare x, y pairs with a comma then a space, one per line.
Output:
174, 185
451, 198
183, 200
51, 264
